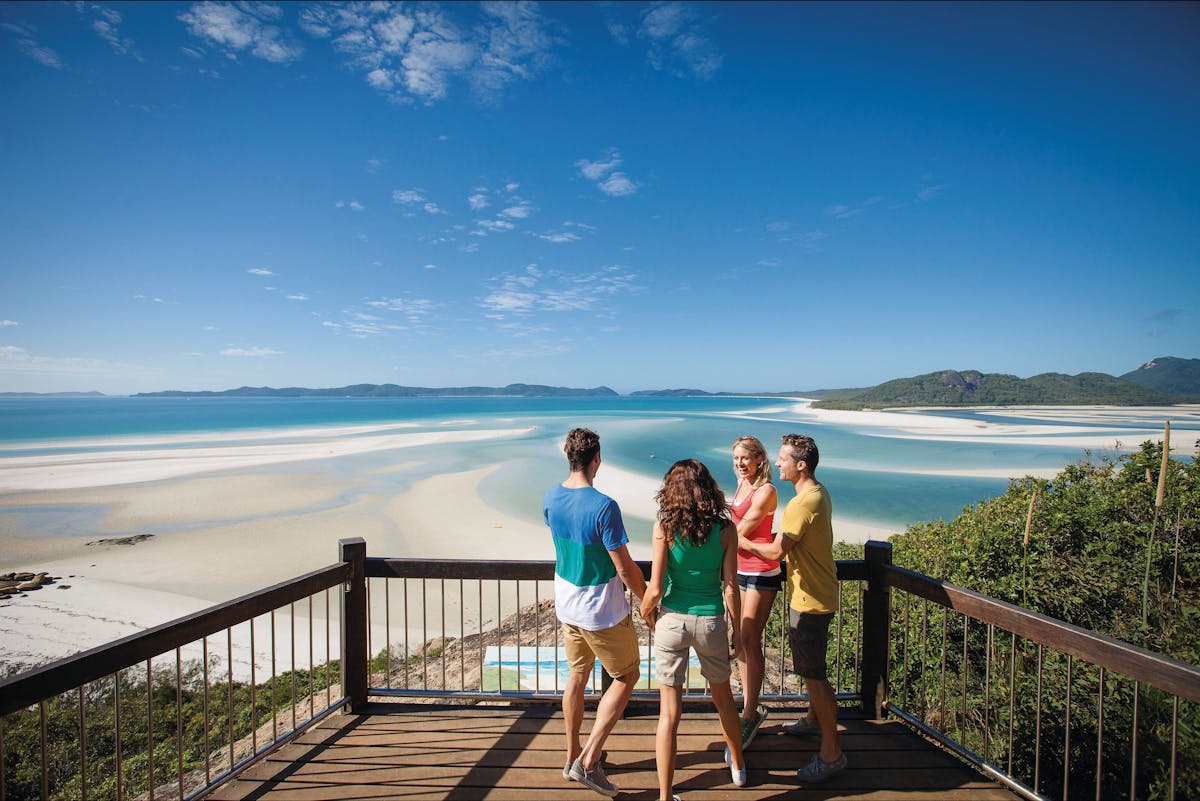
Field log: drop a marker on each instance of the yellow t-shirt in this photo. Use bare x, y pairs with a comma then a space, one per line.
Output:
812, 575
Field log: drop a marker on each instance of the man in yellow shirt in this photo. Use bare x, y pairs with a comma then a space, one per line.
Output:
805, 539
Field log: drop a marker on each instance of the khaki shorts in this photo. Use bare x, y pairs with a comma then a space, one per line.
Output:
615, 647
675, 633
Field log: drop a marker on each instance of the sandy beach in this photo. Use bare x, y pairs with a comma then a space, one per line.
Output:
230, 515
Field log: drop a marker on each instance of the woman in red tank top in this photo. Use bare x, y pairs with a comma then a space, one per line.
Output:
759, 580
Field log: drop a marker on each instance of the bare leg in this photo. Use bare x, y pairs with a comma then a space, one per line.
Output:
608, 712
730, 725
572, 704
756, 608
822, 701
669, 709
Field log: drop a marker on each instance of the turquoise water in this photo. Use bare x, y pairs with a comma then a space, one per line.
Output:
873, 476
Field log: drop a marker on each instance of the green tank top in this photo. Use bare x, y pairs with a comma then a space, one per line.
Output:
693, 584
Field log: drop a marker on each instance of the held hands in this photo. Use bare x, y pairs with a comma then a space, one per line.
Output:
649, 614
735, 647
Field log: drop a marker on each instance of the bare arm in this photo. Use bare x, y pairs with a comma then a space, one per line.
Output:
658, 574
764, 503
733, 598
628, 570
777, 549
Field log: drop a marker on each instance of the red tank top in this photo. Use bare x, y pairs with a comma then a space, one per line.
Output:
748, 562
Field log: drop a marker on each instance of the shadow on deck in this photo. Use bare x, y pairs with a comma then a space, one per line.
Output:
423, 751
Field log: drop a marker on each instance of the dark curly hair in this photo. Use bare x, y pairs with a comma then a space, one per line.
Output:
690, 502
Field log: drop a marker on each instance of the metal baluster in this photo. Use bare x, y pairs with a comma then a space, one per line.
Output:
945, 647
207, 749
1067, 727
150, 725
518, 599
556, 665
1133, 767
3, 760
328, 656
904, 655
479, 623
499, 640
987, 694
1037, 740
537, 638
407, 650
858, 631
274, 682
1100, 735
45, 753
229, 670
387, 628
1012, 696
962, 730
117, 734
838, 647
292, 625
425, 635
1175, 742
83, 765
442, 632
462, 634
924, 655
312, 668
370, 653
179, 718
253, 693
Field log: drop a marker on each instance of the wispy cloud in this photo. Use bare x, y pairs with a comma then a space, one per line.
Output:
678, 42
297, 296
418, 52
243, 27
8, 323
254, 353
478, 200
106, 22
840, 211
353, 205
260, 271
19, 360
604, 172
374, 166
535, 290
28, 44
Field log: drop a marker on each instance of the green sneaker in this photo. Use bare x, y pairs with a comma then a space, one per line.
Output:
750, 727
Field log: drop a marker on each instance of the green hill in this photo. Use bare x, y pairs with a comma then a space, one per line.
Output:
1169, 374
973, 388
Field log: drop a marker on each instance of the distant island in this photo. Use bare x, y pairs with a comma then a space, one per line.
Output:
392, 391
1161, 381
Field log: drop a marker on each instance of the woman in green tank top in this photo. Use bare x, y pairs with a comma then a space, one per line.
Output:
693, 583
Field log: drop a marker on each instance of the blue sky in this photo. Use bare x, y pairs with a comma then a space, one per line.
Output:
722, 196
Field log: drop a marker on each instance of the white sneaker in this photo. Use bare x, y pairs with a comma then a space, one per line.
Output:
738, 776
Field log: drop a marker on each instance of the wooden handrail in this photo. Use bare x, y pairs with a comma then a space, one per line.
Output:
26, 689
1148, 667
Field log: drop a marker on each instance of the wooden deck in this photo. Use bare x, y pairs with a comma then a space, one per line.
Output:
422, 751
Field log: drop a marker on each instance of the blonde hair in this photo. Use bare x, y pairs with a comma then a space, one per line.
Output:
752, 444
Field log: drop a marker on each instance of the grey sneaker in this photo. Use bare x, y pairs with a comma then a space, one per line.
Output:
594, 778
750, 727
567, 772
802, 728
819, 771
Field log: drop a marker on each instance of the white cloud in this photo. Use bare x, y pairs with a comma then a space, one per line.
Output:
244, 26
374, 166
260, 271
353, 205
534, 291
434, 208
28, 44
677, 41
297, 297
408, 196
496, 226
929, 193
106, 23
519, 211
18, 360
8, 323
614, 184
595, 170
618, 185
773, 261
417, 52
559, 237
478, 201
251, 352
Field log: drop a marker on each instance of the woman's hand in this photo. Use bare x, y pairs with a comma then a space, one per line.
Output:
735, 647
649, 614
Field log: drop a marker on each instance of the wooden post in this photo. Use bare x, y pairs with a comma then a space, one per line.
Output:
876, 614
354, 623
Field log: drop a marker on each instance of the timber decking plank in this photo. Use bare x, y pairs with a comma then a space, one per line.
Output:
421, 751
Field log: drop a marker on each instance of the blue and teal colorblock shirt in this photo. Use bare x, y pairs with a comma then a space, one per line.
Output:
586, 524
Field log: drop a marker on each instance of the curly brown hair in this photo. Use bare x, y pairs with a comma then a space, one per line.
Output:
690, 502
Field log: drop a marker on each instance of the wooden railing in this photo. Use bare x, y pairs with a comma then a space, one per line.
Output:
885, 656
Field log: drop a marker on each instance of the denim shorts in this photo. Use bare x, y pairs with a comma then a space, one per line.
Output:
756, 581
676, 632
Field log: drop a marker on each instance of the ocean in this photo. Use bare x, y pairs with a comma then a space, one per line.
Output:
884, 469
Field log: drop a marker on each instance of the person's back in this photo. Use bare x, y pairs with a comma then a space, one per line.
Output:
585, 525
694, 575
